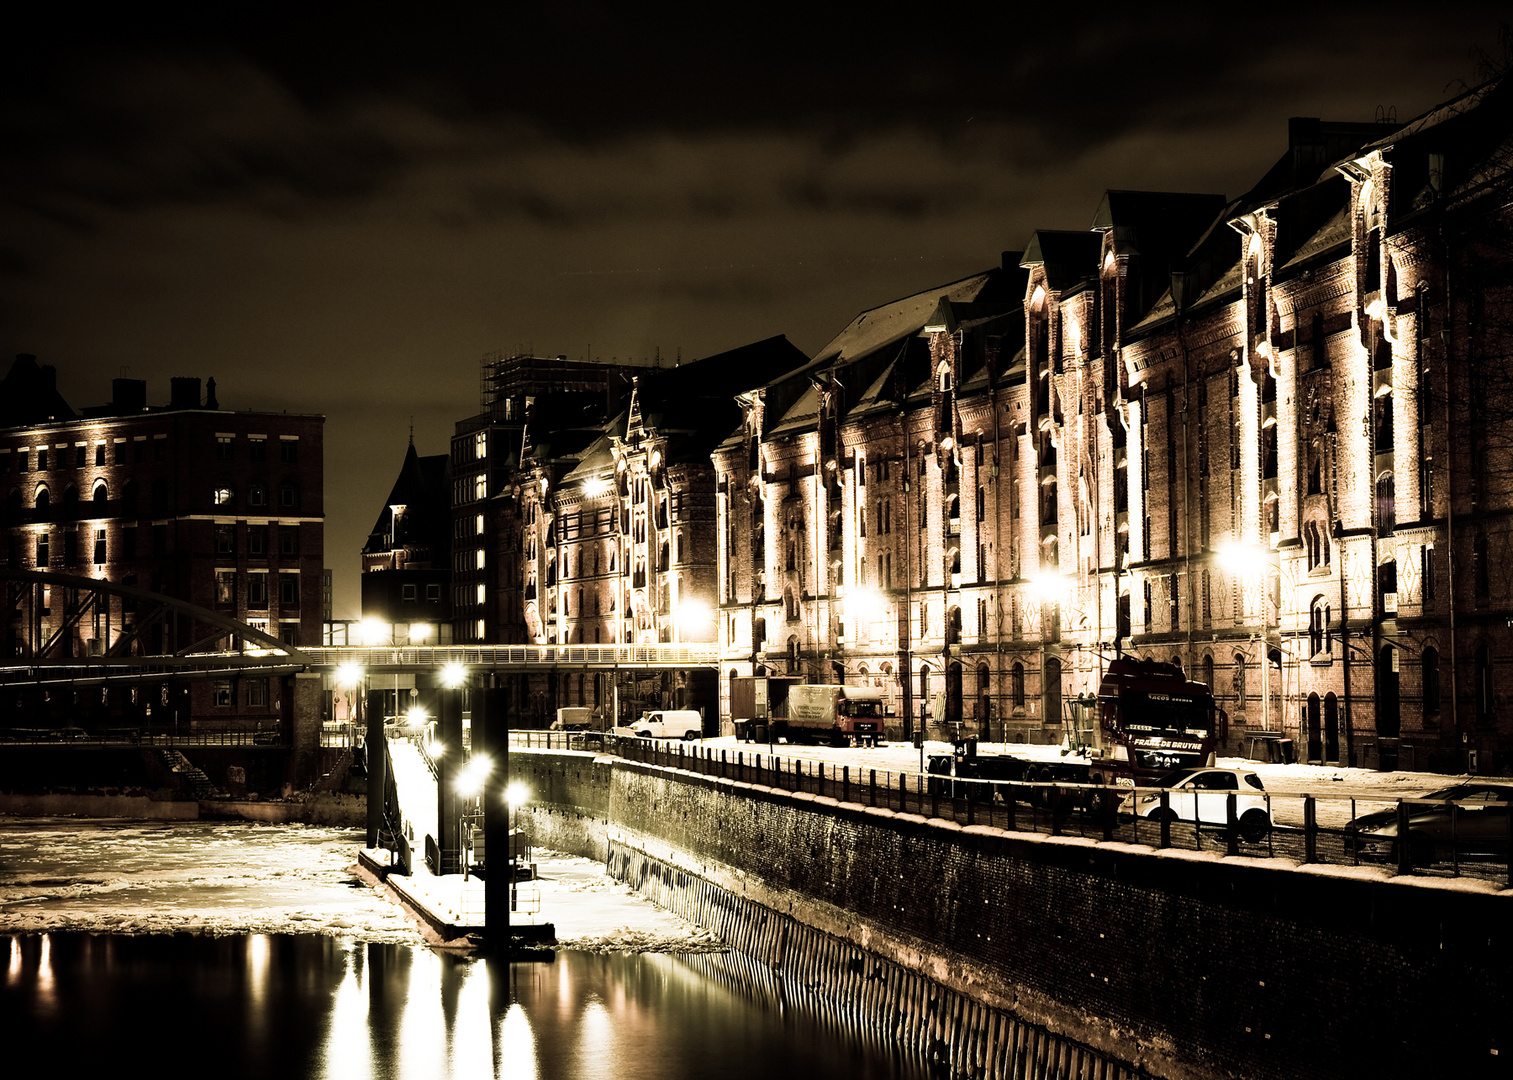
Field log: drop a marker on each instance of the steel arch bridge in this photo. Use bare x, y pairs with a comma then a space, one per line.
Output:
232, 647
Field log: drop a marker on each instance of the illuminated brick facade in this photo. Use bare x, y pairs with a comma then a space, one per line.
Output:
1216, 434
218, 508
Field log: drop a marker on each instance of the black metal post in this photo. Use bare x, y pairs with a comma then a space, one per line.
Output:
377, 755
491, 737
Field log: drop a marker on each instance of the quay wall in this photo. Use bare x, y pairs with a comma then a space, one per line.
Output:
1172, 963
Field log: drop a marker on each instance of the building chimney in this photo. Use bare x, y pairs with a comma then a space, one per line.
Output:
184, 393
210, 402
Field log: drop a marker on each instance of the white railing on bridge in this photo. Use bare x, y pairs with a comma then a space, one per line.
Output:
373, 657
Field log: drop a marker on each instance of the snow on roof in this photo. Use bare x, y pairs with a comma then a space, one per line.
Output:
880, 326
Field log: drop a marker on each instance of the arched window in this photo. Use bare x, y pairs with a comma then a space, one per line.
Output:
43, 502
1319, 631
1208, 671
1016, 685
101, 494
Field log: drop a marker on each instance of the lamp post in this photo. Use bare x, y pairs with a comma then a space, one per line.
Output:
449, 761
469, 786
515, 794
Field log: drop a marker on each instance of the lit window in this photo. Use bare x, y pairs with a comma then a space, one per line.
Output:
223, 496
480, 592
478, 558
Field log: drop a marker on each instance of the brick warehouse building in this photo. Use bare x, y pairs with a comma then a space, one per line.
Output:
218, 508
1215, 433
616, 540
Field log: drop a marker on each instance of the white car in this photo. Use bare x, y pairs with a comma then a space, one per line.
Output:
684, 724
1202, 796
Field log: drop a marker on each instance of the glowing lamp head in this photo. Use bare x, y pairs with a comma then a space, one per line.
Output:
374, 632
348, 676
453, 675
473, 775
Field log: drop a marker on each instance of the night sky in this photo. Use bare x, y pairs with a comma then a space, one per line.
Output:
340, 212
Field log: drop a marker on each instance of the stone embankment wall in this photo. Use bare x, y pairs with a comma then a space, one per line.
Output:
1173, 963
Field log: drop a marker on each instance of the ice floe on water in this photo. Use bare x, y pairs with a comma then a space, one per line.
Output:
221, 878
211, 878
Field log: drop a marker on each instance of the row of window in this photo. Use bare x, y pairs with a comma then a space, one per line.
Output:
257, 589
256, 692
257, 448
223, 495
79, 456
257, 539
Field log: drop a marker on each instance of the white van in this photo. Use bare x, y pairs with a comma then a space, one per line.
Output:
670, 724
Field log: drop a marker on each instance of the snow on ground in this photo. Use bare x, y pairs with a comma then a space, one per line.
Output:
592, 912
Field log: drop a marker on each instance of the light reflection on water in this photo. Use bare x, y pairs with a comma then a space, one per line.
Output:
265, 1005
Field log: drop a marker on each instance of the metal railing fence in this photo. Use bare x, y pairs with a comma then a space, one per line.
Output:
1307, 828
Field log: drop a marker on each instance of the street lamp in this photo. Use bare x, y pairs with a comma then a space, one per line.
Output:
695, 620
469, 784
349, 677
453, 675
375, 632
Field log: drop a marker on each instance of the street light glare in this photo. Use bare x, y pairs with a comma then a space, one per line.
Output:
695, 618
374, 631
453, 675
348, 675
516, 794
416, 715
1240, 558
470, 777
864, 602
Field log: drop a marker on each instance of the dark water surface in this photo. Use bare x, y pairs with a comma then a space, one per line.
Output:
287, 1005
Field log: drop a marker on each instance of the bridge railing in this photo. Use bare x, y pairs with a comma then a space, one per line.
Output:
492, 656
126, 736
1297, 828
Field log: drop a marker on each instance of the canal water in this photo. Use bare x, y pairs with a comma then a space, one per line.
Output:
307, 1005
240, 950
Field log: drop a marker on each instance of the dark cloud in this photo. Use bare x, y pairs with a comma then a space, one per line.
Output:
338, 208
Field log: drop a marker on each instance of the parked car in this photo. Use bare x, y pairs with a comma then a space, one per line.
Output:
1463, 819
1202, 796
671, 724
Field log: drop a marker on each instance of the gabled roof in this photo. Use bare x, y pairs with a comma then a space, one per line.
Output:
422, 488
1069, 258
876, 328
